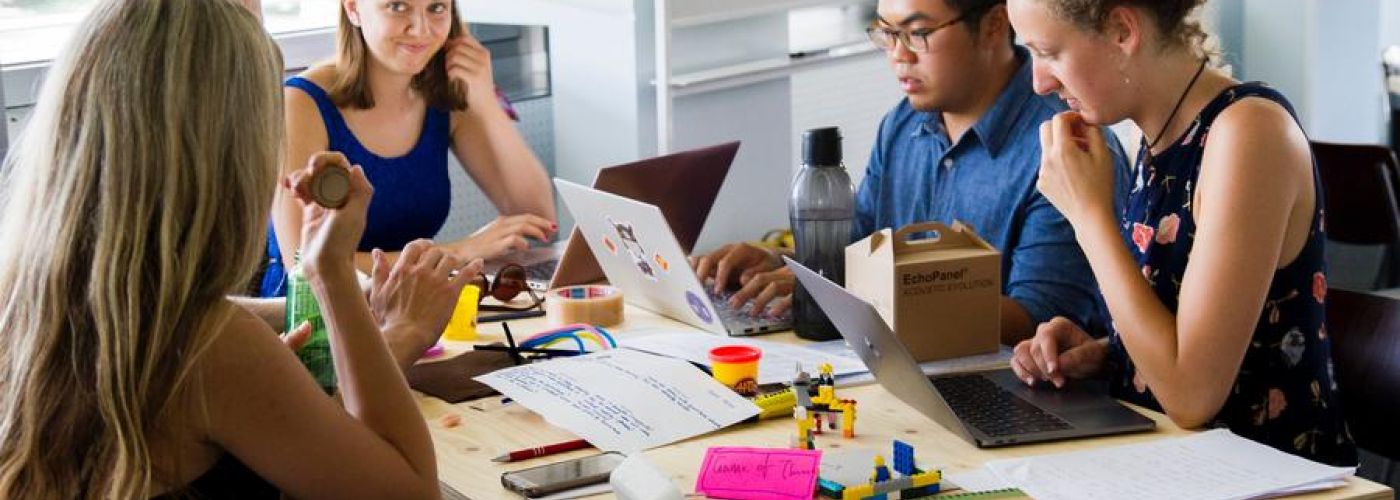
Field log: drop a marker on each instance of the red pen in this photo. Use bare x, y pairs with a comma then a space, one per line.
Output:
540, 451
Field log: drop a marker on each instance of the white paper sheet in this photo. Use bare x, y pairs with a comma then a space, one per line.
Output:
1211, 465
848, 465
978, 362
979, 479
623, 400
778, 364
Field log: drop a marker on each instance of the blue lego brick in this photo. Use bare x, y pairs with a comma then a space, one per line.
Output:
903, 458
829, 488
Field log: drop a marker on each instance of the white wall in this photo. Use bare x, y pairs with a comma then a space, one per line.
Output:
1344, 77
1276, 38
594, 65
1323, 54
1390, 22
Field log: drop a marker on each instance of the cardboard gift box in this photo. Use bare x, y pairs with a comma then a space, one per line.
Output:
941, 294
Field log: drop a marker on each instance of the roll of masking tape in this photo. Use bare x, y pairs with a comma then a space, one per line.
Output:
589, 304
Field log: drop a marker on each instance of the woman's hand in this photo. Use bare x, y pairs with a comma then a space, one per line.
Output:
505, 234
414, 300
329, 237
298, 337
1076, 169
1060, 350
469, 63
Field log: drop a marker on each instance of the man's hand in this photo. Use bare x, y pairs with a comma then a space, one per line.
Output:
736, 262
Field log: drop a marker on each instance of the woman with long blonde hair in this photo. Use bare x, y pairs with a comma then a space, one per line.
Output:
133, 205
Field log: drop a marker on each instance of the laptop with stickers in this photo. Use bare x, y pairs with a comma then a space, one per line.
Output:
641, 256
683, 185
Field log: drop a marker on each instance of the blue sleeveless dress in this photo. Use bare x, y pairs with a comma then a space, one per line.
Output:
412, 193
1285, 394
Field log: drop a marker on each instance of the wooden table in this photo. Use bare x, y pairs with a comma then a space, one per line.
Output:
489, 428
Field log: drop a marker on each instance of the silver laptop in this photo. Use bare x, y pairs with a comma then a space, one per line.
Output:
990, 408
683, 185
640, 255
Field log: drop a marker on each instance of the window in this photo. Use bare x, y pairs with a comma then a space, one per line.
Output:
30, 28
285, 16
35, 30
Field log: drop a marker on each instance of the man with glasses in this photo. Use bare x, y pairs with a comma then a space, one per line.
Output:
964, 145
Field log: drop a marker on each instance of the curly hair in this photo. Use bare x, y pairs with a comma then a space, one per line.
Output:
1177, 20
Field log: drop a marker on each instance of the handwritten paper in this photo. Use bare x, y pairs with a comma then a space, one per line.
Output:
623, 400
778, 364
759, 473
1211, 465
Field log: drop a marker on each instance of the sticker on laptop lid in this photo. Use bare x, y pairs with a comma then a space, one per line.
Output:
701, 310
628, 236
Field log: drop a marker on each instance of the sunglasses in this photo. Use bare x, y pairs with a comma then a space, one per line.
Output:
509, 282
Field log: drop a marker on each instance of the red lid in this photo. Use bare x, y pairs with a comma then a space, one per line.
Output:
734, 354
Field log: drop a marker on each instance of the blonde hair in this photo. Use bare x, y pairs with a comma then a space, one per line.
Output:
132, 205
351, 85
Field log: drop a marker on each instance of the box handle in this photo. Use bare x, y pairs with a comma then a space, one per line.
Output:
943, 235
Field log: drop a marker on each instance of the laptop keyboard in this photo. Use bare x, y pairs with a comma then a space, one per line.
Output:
541, 271
739, 317
995, 411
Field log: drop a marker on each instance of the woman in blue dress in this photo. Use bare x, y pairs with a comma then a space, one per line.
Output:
408, 84
1217, 299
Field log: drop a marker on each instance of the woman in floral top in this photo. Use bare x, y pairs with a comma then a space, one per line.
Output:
1218, 298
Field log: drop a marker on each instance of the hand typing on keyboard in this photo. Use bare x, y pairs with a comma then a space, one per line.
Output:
761, 289
1059, 350
735, 262
748, 305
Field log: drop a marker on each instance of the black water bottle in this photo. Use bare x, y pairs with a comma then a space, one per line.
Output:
821, 208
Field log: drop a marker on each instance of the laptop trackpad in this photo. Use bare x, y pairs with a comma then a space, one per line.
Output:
1080, 402
1074, 397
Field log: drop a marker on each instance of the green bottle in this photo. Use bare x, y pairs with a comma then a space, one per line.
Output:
302, 307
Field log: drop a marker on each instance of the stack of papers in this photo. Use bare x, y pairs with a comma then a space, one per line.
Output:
778, 364
623, 400
1215, 464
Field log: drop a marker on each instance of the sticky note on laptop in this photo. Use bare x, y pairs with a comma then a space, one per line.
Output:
757, 473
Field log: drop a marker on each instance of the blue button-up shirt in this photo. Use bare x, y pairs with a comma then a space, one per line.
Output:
987, 179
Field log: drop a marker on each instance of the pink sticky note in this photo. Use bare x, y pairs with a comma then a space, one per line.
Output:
759, 473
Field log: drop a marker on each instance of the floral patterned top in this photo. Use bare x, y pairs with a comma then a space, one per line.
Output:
1285, 394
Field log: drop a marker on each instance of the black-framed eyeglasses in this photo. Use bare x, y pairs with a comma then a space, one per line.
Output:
916, 40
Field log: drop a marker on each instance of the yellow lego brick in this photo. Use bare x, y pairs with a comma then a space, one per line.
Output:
857, 492
927, 478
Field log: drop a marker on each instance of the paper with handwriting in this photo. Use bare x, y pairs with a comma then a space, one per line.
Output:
623, 400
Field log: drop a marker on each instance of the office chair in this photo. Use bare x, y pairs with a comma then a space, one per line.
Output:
1365, 333
1360, 184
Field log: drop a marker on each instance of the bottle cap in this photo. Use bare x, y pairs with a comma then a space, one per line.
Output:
331, 186
821, 147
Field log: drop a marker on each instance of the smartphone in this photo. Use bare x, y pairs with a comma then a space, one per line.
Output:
553, 478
